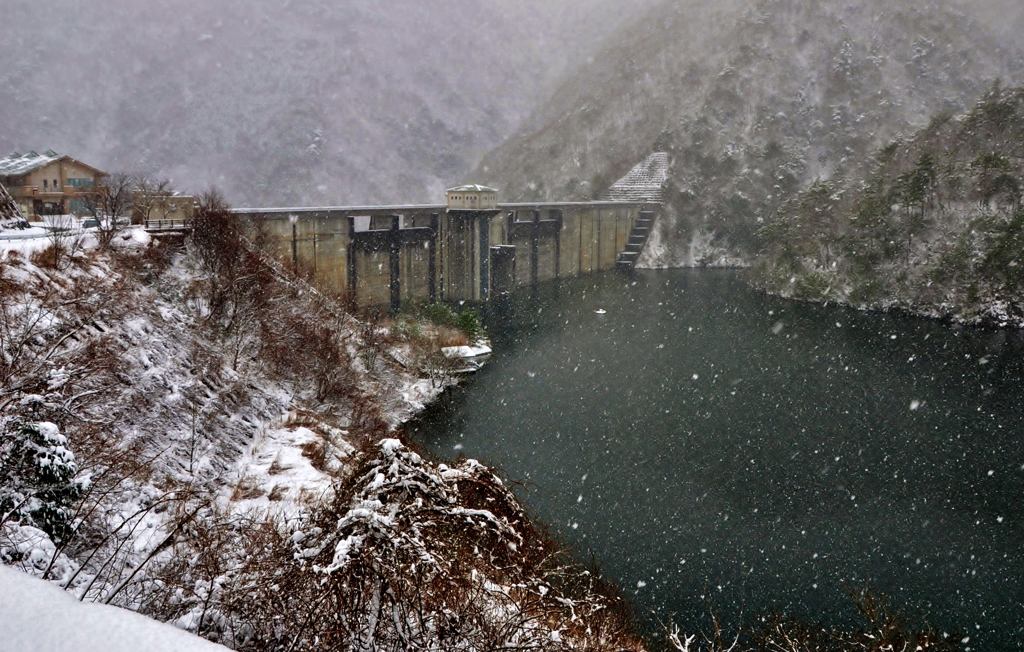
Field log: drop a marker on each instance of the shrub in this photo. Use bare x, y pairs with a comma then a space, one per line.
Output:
310, 348
469, 323
407, 328
467, 320
441, 314
884, 631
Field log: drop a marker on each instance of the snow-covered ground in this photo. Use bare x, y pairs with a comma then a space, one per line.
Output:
289, 466
36, 616
30, 233
467, 352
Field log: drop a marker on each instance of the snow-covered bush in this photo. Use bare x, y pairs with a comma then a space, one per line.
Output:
410, 555
418, 556
40, 488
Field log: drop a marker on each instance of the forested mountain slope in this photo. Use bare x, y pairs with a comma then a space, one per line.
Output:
287, 101
934, 227
753, 101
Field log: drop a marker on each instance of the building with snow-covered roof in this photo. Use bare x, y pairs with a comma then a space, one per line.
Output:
48, 183
472, 198
644, 183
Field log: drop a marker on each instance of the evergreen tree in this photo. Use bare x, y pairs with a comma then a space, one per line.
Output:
38, 479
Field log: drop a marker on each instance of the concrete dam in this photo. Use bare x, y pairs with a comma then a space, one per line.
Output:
470, 249
383, 256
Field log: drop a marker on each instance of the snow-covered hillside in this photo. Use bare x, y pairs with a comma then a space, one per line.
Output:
180, 423
934, 227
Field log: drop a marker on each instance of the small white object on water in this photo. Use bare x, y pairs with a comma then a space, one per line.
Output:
465, 352
600, 311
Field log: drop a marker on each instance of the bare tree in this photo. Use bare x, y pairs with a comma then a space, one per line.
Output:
150, 197
110, 202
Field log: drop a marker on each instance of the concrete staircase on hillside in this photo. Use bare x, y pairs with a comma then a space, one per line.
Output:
637, 241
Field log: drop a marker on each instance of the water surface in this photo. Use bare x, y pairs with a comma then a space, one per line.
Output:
712, 446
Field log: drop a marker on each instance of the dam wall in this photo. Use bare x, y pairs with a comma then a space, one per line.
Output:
384, 256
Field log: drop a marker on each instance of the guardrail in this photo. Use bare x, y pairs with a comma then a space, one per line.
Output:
168, 225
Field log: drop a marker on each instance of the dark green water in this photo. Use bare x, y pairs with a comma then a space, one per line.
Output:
715, 447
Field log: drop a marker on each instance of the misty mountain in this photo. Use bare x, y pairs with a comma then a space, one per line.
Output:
1005, 18
288, 101
753, 101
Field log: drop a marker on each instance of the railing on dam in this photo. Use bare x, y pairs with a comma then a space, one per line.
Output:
386, 255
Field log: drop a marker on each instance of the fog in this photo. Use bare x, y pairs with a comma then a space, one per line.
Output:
304, 101
295, 101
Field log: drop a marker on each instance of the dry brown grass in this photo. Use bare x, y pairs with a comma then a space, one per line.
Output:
451, 337
246, 489
316, 453
47, 258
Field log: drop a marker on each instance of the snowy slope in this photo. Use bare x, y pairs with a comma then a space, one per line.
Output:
116, 350
179, 426
36, 616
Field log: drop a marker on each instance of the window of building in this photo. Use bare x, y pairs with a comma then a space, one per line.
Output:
45, 182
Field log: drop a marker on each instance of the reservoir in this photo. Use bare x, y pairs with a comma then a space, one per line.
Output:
715, 448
